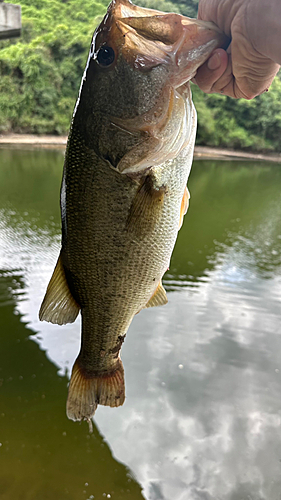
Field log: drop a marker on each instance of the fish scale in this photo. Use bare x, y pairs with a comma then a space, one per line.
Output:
123, 194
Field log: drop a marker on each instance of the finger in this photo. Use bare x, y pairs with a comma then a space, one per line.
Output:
226, 82
220, 12
253, 73
228, 85
250, 87
247, 85
243, 73
211, 71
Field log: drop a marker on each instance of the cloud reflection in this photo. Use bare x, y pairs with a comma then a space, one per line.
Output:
202, 416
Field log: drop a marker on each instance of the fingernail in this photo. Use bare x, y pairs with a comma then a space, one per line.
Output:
214, 62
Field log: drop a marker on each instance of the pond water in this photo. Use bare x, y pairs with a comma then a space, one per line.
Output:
202, 416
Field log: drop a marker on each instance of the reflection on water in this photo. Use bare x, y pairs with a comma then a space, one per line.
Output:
202, 417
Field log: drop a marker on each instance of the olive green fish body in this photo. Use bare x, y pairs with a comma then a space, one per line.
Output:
123, 194
114, 264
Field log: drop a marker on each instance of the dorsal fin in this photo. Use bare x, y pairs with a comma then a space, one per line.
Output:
184, 205
58, 305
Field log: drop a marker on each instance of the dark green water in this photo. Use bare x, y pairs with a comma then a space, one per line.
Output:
202, 417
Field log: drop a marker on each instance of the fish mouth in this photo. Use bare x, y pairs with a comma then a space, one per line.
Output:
147, 38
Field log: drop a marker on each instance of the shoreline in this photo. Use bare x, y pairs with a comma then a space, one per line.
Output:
26, 141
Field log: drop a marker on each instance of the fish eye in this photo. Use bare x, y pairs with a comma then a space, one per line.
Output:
105, 55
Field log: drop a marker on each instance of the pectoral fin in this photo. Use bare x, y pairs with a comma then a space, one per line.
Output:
58, 305
146, 208
159, 298
184, 205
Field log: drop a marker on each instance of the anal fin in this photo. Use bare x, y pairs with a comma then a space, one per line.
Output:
58, 305
159, 298
88, 390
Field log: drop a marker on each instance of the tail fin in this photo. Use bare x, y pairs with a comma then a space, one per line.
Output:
86, 391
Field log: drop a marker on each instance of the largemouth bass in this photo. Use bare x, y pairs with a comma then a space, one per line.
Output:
123, 193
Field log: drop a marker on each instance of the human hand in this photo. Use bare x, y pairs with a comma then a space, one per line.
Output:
250, 63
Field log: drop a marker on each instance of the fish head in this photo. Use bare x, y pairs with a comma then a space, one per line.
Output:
133, 46
147, 38
137, 57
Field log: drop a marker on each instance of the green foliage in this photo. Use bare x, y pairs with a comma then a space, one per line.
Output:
188, 8
41, 74
240, 124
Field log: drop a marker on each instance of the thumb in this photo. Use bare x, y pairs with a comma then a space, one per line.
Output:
209, 75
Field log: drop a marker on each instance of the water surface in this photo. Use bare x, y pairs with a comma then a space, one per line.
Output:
202, 416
